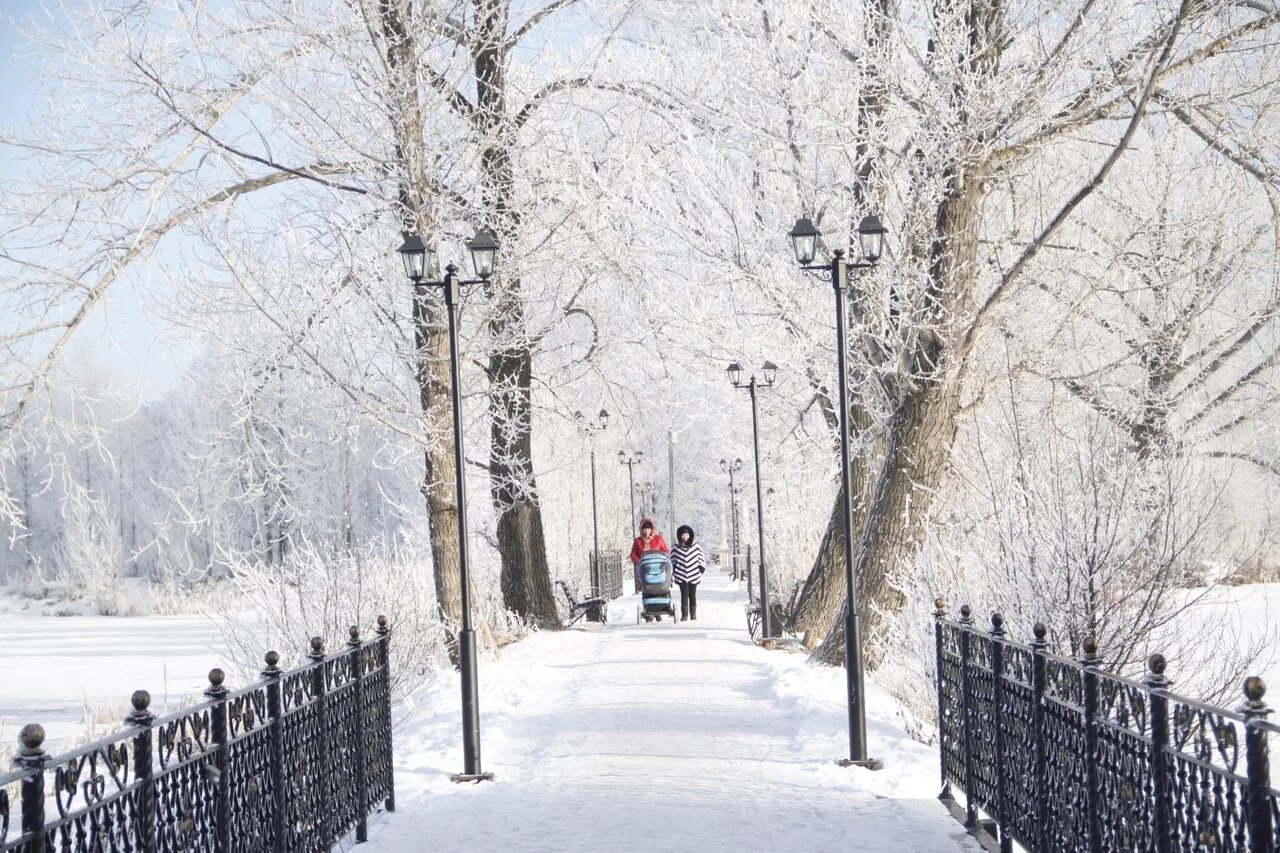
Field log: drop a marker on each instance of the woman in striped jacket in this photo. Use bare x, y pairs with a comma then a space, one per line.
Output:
689, 564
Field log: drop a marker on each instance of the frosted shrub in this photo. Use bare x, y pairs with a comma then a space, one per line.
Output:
88, 563
316, 592
1085, 536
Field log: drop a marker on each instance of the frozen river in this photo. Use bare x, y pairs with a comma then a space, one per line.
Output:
70, 672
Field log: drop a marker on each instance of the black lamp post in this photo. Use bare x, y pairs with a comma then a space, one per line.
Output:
733, 512
631, 461
804, 239
483, 247
770, 370
646, 499
591, 428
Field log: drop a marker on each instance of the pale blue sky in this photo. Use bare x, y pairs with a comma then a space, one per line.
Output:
120, 339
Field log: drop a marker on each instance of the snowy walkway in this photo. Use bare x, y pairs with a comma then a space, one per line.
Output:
659, 737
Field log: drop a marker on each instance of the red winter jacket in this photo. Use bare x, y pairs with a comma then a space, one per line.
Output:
656, 543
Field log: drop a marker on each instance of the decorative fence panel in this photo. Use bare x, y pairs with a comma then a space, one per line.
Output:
608, 575
1055, 754
291, 764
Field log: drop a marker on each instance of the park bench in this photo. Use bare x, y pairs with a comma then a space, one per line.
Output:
593, 609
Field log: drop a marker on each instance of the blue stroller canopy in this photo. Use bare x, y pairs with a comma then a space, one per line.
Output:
655, 574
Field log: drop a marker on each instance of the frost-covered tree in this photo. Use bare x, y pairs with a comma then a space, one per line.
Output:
981, 131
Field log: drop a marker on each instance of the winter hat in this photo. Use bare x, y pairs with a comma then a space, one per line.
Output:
683, 529
647, 522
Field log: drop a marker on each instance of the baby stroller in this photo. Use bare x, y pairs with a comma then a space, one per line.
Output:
655, 587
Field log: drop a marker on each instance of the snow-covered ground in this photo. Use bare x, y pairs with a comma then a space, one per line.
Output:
660, 737
1246, 617
675, 737
74, 674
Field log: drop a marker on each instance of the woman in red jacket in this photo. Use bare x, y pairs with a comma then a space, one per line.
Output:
648, 540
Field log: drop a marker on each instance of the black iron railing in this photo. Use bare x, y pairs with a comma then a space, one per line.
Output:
1054, 754
290, 764
607, 574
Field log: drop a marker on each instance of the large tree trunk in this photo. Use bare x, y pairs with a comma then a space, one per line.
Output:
822, 599
526, 577
438, 482
431, 339
919, 435
914, 464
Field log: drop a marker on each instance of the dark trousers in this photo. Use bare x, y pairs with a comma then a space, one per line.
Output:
688, 600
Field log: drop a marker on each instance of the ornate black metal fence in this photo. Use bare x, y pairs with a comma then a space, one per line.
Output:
290, 764
1056, 755
607, 574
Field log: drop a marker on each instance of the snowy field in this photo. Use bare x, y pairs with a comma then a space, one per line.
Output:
661, 737
1251, 615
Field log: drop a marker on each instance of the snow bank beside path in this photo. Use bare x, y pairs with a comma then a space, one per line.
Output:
660, 737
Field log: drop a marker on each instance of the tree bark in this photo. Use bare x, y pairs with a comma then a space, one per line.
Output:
431, 340
821, 600
526, 577
920, 433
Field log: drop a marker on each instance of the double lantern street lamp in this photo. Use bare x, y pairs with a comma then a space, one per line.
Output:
804, 239
484, 249
591, 428
733, 513
770, 370
631, 461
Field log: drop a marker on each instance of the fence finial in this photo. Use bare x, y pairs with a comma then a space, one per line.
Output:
1090, 646
997, 624
1039, 631
273, 660
32, 739
1156, 665
141, 714
1254, 690
216, 677
966, 613
317, 647
939, 608
354, 631
383, 628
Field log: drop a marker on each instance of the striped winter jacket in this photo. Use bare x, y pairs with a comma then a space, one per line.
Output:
688, 562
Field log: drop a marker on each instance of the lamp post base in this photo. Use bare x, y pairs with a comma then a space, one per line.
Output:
867, 763
459, 778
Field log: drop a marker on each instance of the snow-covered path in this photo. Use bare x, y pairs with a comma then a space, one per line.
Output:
659, 737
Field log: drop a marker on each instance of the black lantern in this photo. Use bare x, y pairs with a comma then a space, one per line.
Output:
804, 238
414, 254
871, 233
770, 371
604, 418
735, 373
483, 248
